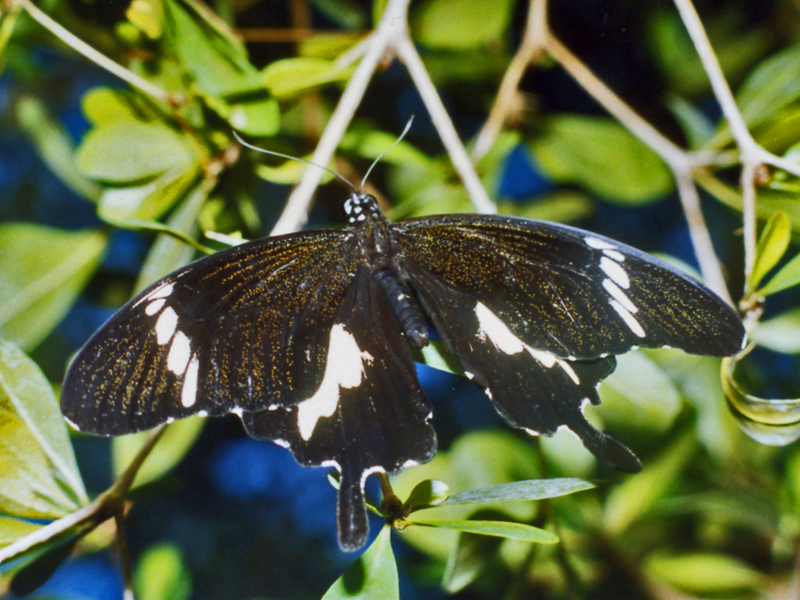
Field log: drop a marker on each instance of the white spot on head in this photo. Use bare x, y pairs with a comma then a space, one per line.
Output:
615, 271
598, 244
179, 353
154, 306
361, 217
189, 389
165, 326
619, 296
629, 319
357, 209
344, 368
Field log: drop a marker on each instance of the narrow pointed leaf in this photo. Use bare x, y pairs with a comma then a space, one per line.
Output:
788, 276
504, 529
535, 489
772, 245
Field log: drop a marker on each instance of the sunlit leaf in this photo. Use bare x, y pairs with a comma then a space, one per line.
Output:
460, 24
258, 116
428, 492
639, 395
780, 333
602, 156
373, 575
168, 253
292, 76
705, 573
470, 558
633, 499
788, 276
103, 106
371, 143
504, 529
772, 245
162, 575
131, 151
437, 355
42, 271
13, 529
771, 86
174, 444
148, 16
39, 477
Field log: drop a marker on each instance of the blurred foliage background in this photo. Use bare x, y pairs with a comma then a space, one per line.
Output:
104, 188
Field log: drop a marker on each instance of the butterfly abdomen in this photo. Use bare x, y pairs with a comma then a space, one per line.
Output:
409, 315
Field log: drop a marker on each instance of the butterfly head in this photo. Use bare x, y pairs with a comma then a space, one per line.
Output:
359, 207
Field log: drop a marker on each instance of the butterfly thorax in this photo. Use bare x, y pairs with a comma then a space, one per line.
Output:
380, 253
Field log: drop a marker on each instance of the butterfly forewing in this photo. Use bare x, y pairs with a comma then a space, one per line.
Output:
246, 328
369, 414
570, 292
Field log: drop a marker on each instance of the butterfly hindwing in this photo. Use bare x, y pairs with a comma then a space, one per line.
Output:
570, 292
242, 329
369, 413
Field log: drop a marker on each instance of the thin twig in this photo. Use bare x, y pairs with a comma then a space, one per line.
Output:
748, 184
96, 57
447, 132
124, 555
295, 214
529, 50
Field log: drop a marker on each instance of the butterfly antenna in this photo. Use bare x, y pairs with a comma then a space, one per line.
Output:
380, 156
302, 160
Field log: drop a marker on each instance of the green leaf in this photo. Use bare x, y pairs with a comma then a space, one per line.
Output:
42, 271
370, 144
771, 86
772, 245
39, 477
780, 333
289, 172
504, 529
428, 493
475, 460
602, 156
258, 116
438, 356
131, 151
146, 202
168, 253
535, 489
639, 395
373, 575
472, 556
636, 496
560, 206
174, 444
162, 575
788, 276
104, 106
697, 127
460, 24
292, 77
347, 14
704, 572
13, 529
147, 16
209, 51
54, 146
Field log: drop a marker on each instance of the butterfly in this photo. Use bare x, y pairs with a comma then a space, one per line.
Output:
307, 337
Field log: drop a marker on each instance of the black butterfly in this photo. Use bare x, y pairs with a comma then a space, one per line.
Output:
307, 337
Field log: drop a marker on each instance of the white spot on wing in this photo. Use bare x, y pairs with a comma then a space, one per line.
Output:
620, 296
344, 368
597, 244
179, 353
503, 338
617, 256
615, 271
629, 319
165, 326
366, 473
189, 389
154, 306
409, 463
161, 291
